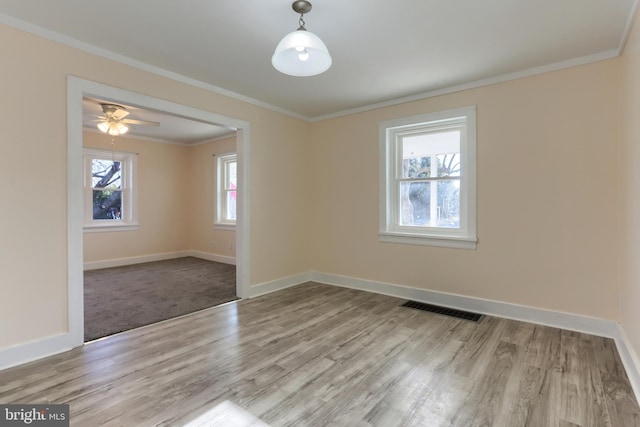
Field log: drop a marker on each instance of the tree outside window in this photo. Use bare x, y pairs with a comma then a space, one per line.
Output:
109, 190
106, 181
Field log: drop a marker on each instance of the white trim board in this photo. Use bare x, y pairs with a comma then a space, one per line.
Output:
278, 284
630, 360
119, 262
33, 350
210, 257
540, 316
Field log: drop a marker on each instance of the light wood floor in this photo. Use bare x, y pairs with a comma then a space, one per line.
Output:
317, 355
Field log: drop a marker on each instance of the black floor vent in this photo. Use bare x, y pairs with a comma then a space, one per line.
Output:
466, 315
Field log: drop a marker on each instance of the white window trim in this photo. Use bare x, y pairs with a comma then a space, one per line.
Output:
390, 230
129, 192
220, 222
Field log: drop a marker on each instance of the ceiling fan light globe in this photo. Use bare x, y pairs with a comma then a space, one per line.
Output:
122, 128
287, 58
104, 127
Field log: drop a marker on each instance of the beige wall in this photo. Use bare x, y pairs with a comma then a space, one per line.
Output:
176, 189
630, 180
547, 194
203, 236
33, 242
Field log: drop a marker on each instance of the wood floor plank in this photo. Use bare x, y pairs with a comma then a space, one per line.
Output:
521, 406
316, 355
544, 348
480, 348
487, 396
620, 401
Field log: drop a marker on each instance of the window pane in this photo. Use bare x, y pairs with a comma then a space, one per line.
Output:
449, 164
415, 203
231, 205
416, 208
232, 175
448, 211
107, 204
417, 167
106, 174
419, 151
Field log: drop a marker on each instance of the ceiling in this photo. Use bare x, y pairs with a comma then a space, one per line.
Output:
383, 52
173, 129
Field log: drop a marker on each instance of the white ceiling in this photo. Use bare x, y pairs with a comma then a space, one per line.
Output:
383, 51
173, 129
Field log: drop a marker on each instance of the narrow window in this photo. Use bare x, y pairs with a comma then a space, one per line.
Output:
227, 183
428, 179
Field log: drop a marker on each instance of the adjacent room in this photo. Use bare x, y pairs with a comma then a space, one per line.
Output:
424, 214
157, 241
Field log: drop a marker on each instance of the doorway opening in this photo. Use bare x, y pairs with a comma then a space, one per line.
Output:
79, 90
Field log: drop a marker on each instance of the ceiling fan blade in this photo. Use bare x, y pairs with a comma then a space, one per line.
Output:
119, 114
140, 122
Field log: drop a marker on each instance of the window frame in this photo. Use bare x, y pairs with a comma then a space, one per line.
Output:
390, 134
222, 168
128, 171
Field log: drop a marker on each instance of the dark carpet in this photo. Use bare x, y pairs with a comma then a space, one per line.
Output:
122, 298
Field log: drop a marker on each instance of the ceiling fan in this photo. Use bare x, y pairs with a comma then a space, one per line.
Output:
114, 122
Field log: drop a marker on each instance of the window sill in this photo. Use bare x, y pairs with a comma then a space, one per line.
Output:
456, 242
109, 227
223, 226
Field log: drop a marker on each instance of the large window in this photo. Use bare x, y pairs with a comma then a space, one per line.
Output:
227, 182
428, 179
109, 190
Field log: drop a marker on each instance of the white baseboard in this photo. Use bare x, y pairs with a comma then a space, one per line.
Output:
211, 257
277, 285
558, 319
24, 353
119, 262
629, 359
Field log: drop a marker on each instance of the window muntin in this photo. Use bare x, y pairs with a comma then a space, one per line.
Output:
109, 190
227, 184
428, 179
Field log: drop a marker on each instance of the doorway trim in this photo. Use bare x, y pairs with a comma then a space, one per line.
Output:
77, 88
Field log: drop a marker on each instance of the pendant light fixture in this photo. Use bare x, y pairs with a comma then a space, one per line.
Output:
301, 53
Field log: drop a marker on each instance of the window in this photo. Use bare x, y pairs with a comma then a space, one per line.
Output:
428, 179
227, 182
109, 190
